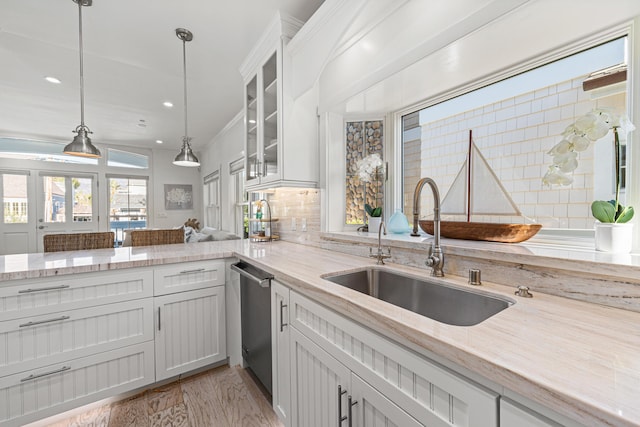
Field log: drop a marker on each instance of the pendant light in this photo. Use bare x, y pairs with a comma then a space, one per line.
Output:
185, 157
81, 144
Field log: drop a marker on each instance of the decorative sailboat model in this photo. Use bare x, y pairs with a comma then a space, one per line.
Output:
478, 191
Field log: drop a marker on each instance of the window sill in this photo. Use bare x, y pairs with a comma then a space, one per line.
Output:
567, 253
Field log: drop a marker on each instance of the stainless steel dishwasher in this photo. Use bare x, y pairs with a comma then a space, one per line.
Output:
255, 303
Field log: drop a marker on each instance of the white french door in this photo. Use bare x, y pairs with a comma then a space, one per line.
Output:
66, 203
17, 234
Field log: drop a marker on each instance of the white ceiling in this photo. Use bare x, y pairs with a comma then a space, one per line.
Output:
132, 63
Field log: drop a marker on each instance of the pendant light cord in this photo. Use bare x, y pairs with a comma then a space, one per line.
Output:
81, 68
184, 72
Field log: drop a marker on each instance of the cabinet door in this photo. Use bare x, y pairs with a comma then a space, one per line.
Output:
280, 351
512, 415
190, 331
370, 408
251, 131
315, 378
270, 128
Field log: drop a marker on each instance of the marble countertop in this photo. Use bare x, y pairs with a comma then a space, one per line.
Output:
578, 359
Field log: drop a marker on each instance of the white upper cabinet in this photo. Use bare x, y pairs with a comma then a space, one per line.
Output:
278, 152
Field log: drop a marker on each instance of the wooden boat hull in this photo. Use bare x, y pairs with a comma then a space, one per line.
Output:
485, 231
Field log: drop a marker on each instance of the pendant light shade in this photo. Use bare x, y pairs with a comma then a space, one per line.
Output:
185, 157
81, 144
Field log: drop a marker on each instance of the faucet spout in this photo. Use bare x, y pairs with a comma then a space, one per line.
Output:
380, 255
436, 256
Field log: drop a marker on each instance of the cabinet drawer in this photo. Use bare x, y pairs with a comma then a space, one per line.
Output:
32, 395
29, 298
188, 276
54, 338
420, 387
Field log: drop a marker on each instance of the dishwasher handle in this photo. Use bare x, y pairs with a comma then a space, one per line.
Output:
264, 282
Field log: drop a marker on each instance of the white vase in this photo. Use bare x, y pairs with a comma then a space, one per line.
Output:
615, 238
374, 224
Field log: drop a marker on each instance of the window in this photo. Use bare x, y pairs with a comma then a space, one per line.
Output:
363, 139
14, 198
515, 122
127, 204
46, 151
126, 159
211, 192
240, 198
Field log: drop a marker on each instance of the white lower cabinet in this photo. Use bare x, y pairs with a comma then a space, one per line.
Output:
514, 415
70, 341
42, 392
324, 392
370, 408
317, 385
281, 387
190, 331
340, 369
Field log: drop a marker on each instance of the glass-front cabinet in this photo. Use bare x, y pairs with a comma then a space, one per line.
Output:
262, 123
280, 132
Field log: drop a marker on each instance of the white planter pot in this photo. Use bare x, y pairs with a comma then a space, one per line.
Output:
374, 224
616, 238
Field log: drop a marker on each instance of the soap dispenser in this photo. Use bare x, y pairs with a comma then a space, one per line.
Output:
398, 223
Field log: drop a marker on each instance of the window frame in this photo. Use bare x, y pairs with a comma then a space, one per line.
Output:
576, 237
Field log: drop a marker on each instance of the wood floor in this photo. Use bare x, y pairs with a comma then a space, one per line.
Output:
220, 397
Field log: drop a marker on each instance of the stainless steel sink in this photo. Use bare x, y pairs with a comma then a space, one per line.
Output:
427, 297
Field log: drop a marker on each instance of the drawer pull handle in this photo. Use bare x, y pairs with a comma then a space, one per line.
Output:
197, 270
50, 288
57, 371
351, 404
40, 322
159, 320
341, 417
282, 324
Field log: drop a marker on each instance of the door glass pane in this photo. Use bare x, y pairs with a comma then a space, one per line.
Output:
270, 110
81, 188
252, 129
14, 194
54, 198
127, 205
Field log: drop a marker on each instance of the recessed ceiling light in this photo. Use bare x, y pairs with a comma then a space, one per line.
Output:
51, 79
167, 104
158, 141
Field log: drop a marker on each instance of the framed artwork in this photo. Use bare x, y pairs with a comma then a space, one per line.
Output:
178, 196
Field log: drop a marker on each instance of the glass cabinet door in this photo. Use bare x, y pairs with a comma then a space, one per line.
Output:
251, 115
270, 114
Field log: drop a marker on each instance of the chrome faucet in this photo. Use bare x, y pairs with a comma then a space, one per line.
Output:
436, 256
380, 255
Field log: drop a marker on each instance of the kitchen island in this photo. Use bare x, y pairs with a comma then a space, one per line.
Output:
577, 359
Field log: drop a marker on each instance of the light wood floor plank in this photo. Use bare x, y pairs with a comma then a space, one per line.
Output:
259, 398
98, 417
174, 416
237, 403
130, 412
198, 395
220, 397
161, 398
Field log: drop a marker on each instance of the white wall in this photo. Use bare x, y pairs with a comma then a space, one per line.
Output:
223, 149
165, 172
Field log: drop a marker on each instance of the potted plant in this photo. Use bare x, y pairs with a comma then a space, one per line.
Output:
613, 232
370, 170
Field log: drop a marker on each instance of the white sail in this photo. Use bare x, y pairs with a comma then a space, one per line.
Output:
486, 195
